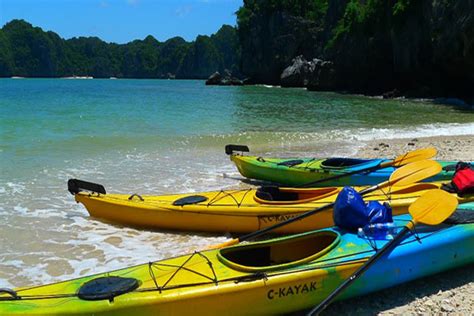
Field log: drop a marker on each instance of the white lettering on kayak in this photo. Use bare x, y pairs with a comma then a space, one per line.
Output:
291, 290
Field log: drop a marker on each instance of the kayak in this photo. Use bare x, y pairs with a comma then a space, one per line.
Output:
240, 211
276, 276
301, 171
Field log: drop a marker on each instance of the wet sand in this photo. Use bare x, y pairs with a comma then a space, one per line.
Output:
450, 292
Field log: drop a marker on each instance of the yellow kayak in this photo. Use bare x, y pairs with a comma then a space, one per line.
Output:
241, 211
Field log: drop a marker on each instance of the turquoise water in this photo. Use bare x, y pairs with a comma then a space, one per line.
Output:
158, 136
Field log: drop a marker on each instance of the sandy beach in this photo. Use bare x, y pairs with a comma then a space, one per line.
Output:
449, 147
450, 292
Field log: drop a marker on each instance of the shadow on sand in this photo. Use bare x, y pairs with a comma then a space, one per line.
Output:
375, 303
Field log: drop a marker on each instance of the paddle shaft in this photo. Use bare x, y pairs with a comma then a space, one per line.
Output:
346, 174
410, 173
304, 215
388, 246
412, 156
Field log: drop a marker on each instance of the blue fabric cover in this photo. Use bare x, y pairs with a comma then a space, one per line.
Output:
351, 212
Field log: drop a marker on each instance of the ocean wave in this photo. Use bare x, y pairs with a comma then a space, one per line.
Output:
427, 130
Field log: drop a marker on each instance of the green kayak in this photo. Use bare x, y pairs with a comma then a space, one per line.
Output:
302, 171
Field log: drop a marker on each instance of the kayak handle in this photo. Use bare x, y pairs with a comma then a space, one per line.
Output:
75, 186
11, 292
137, 195
229, 149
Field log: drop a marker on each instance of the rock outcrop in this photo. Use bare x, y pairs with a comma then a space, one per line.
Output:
297, 74
323, 76
227, 80
214, 79
316, 74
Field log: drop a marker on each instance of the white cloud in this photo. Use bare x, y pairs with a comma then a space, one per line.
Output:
183, 10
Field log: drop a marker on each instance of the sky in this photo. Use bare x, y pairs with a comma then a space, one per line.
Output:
122, 21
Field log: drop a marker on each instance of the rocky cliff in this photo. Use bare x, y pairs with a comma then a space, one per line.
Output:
421, 48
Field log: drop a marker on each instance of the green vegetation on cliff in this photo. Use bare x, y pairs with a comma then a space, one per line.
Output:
418, 48
312, 10
28, 51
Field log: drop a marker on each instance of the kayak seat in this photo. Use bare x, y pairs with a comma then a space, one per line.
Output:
343, 162
290, 163
273, 193
451, 167
190, 199
269, 255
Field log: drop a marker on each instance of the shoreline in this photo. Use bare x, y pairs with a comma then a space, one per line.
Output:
454, 147
448, 292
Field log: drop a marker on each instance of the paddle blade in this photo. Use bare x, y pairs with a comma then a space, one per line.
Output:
224, 244
415, 155
433, 207
414, 172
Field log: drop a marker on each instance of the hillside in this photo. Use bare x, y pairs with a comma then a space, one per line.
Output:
29, 51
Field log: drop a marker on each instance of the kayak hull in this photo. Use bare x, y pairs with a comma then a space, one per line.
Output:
310, 170
204, 283
239, 211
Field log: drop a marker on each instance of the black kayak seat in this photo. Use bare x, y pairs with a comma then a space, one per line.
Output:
273, 193
190, 199
343, 162
290, 163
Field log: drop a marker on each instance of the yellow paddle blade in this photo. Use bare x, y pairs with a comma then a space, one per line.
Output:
415, 155
414, 172
433, 207
224, 244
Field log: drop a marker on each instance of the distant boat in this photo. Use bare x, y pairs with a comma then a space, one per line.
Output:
17, 77
113, 78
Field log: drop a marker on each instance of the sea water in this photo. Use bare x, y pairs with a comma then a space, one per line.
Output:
156, 137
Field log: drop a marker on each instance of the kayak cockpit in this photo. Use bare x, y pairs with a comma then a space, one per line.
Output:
276, 195
281, 253
344, 163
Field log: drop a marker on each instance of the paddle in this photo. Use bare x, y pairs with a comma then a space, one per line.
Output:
406, 158
410, 173
432, 208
